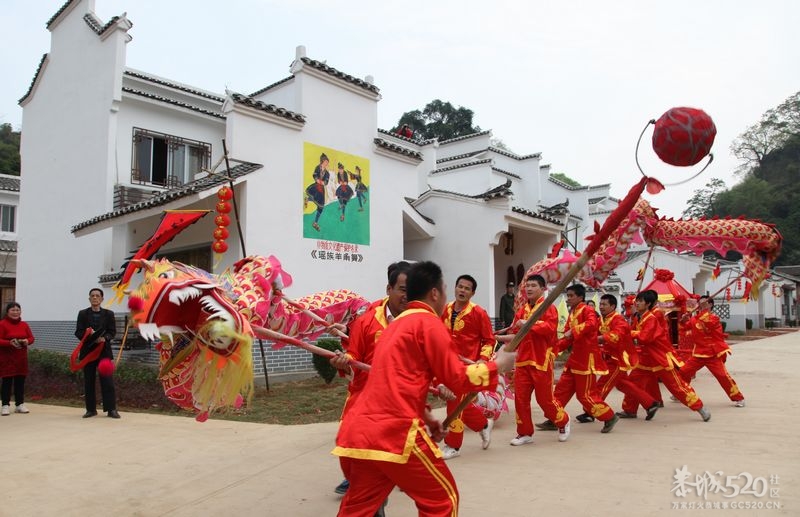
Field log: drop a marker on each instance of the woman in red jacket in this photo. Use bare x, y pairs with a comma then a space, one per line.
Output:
15, 338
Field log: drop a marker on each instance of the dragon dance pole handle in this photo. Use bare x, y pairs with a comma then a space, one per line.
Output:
612, 222
512, 346
314, 349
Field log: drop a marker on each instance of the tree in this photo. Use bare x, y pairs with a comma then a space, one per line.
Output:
563, 178
702, 203
9, 150
440, 120
776, 126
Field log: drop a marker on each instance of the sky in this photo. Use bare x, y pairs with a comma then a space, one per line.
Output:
576, 80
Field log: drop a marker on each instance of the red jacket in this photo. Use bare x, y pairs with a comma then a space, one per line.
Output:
536, 348
14, 361
362, 336
653, 337
585, 358
472, 331
384, 422
617, 341
706, 333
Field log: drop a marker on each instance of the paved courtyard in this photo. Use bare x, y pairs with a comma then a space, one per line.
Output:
56, 463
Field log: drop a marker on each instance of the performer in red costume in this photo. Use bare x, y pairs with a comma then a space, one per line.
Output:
472, 333
386, 439
534, 367
657, 360
578, 377
710, 349
620, 356
364, 332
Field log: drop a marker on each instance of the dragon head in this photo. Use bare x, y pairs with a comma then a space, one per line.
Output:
175, 298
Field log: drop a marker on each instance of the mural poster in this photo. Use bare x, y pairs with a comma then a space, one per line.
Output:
336, 195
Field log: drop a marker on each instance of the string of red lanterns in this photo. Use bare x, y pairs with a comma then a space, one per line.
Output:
222, 220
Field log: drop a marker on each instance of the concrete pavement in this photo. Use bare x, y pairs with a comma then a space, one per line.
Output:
56, 463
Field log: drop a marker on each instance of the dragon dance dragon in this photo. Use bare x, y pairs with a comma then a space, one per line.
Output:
759, 244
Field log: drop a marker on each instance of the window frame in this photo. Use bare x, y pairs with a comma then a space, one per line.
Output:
162, 157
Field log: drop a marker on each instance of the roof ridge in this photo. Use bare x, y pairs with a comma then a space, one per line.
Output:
172, 84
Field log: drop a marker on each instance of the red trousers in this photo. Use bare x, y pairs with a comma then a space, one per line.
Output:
717, 368
616, 378
472, 417
648, 380
527, 381
424, 478
584, 387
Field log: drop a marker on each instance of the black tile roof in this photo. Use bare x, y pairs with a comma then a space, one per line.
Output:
35, 77
174, 102
530, 213
410, 201
461, 165
319, 65
514, 155
96, 25
9, 184
168, 196
410, 140
238, 98
58, 13
170, 84
271, 86
564, 185
507, 173
396, 148
461, 156
498, 191
8, 246
464, 137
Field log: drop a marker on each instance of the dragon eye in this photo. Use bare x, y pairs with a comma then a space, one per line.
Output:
167, 274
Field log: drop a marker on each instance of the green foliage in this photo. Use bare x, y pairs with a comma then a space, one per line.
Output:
702, 203
440, 120
321, 364
9, 150
563, 178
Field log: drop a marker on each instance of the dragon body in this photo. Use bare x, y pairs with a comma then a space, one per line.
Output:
759, 243
206, 324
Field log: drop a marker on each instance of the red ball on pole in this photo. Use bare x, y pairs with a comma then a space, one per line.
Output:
220, 233
683, 136
105, 367
225, 194
220, 246
223, 207
222, 220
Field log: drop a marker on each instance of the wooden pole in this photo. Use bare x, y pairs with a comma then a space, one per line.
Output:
646, 262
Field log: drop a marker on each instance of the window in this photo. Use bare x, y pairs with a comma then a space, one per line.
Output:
166, 160
8, 218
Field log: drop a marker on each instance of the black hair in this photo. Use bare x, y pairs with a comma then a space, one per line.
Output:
610, 298
323, 157
708, 298
422, 277
97, 289
649, 297
468, 278
579, 290
395, 270
11, 305
539, 279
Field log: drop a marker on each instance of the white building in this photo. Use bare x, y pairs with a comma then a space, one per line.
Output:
9, 204
106, 148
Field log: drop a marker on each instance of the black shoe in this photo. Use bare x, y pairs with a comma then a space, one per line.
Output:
623, 414
584, 418
90, 414
547, 425
342, 487
651, 411
609, 424
113, 414
660, 403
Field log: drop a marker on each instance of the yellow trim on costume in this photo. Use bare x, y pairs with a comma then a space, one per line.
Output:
457, 325
591, 371
478, 374
380, 455
449, 489
549, 360
380, 313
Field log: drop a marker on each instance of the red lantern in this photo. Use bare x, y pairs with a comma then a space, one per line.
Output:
220, 246
225, 194
222, 220
728, 294
683, 136
223, 207
220, 233
739, 284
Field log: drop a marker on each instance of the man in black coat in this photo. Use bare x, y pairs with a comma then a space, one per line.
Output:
104, 328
